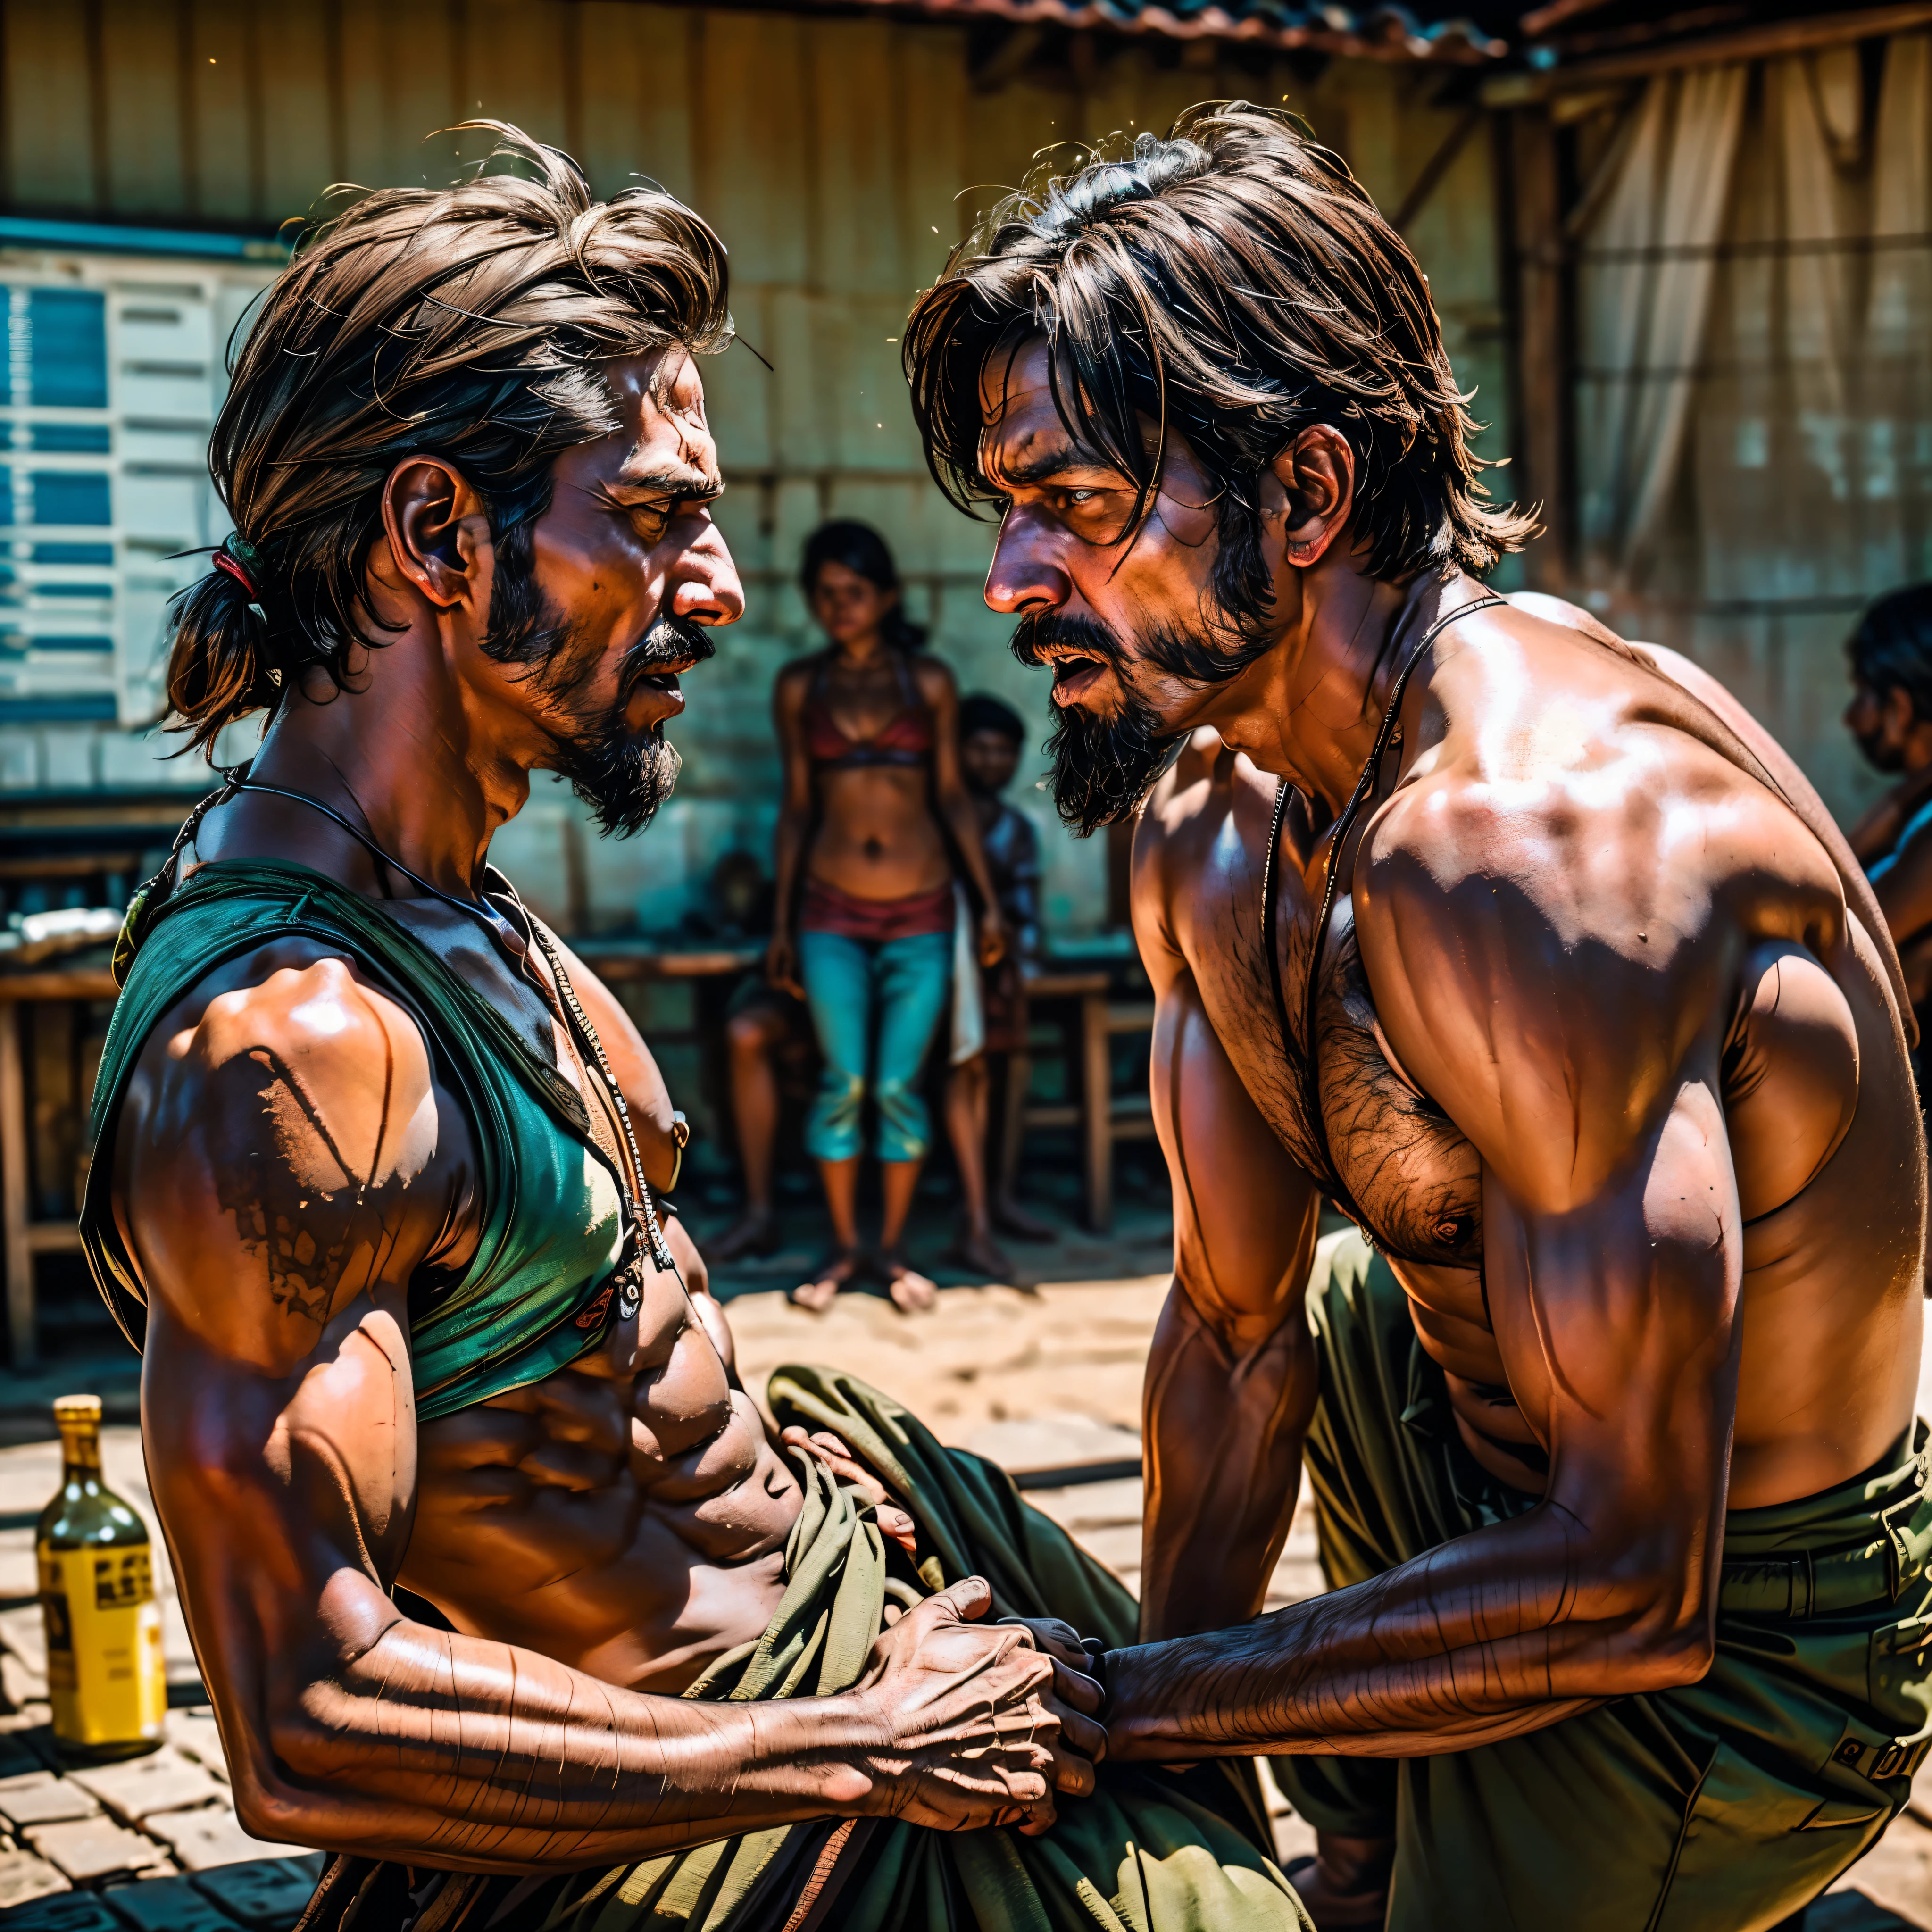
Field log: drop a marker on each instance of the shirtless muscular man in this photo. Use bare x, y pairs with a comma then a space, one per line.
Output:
502, 1589
1532, 952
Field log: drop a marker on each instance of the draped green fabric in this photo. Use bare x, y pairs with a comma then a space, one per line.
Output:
1722, 1806
552, 1224
1149, 1851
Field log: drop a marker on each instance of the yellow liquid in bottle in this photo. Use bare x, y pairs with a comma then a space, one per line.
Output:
104, 1670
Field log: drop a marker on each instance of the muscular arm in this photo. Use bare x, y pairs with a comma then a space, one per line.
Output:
283, 1164
1231, 1381
1585, 1070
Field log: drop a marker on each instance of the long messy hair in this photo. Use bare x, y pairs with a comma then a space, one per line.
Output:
467, 323
866, 554
1231, 283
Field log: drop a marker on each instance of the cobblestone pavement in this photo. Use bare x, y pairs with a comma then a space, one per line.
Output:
152, 1843
1039, 1381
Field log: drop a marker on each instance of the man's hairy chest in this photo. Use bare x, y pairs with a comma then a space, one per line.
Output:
1400, 1159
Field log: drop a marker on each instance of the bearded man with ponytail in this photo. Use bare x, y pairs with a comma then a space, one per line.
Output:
504, 1592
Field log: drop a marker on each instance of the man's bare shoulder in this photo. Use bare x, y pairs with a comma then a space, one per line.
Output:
1557, 904
1585, 785
1200, 846
279, 1132
294, 1004
1191, 803
1182, 810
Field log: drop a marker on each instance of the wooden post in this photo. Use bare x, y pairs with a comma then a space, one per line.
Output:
1097, 1111
1012, 1121
14, 1204
1544, 404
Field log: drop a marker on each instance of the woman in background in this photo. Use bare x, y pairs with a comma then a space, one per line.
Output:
868, 730
1891, 716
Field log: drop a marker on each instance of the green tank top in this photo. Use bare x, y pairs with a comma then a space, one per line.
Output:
536, 1295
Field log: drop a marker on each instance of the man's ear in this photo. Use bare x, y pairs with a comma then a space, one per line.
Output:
436, 525
1315, 477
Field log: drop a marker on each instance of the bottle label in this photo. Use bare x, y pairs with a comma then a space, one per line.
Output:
104, 1668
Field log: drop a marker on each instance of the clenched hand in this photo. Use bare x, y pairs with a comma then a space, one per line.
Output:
977, 1725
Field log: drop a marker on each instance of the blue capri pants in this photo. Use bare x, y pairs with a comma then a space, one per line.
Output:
849, 983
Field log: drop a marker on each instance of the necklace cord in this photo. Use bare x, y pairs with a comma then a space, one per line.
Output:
642, 1206
1311, 1079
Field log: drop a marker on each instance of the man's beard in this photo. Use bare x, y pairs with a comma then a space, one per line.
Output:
623, 775
1104, 767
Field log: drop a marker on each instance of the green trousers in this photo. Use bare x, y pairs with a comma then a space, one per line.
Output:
1723, 1806
1148, 1851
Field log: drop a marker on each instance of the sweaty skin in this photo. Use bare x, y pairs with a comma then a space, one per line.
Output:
287, 1161
1611, 1057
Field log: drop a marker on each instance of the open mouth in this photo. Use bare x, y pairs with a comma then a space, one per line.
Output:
654, 698
1073, 676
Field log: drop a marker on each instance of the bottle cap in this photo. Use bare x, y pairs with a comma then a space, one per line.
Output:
77, 1408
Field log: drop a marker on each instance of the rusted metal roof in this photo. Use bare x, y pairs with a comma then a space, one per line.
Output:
1385, 32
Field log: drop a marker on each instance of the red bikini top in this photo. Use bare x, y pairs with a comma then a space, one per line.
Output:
906, 741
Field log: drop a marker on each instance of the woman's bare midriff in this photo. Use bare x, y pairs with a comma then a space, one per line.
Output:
876, 837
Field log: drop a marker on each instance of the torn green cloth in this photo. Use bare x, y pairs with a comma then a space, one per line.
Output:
533, 1298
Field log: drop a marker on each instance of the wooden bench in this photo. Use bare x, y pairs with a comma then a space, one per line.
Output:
1103, 1119
26, 1237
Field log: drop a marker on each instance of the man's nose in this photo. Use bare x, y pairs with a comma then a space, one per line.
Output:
706, 589
1024, 577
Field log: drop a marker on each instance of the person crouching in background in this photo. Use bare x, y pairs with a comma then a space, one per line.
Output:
864, 922
991, 736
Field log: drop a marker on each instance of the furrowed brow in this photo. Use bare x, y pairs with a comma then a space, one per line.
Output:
1054, 461
686, 486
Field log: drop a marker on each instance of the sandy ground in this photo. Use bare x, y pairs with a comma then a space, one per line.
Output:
1037, 1380
1069, 1358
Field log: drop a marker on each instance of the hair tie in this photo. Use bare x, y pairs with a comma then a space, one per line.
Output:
240, 560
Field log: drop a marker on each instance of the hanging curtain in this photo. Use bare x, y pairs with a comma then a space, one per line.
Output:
1894, 369
1646, 275
1754, 403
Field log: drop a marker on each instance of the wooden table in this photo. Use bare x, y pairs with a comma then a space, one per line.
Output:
25, 1237
614, 960
1102, 1119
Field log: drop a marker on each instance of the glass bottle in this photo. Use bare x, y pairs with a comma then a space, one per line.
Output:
104, 1670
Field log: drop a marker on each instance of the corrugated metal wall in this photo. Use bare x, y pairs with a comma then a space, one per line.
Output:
838, 157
